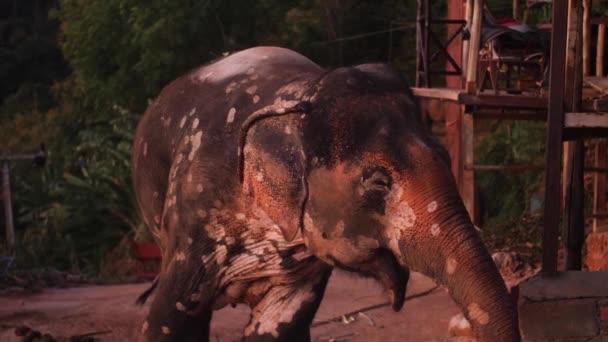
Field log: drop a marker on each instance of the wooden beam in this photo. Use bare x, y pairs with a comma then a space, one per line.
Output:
553, 151
504, 167
474, 45
504, 101
449, 94
586, 120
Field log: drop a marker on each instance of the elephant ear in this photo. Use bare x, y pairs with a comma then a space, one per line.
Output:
272, 164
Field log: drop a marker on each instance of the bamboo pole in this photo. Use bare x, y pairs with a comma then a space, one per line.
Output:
586, 36
601, 39
468, 14
474, 46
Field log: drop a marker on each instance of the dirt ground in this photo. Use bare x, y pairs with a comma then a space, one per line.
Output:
73, 311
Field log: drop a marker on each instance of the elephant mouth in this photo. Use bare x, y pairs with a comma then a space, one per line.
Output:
392, 276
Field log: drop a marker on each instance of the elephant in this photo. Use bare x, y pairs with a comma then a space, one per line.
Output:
261, 172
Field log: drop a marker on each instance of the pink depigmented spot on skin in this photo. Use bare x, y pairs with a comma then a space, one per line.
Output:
180, 256
251, 90
450, 265
180, 307
195, 123
196, 143
231, 114
201, 213
435, 230
431, 207
166, 330
183, 122
199, 188
477, 314
144, 327
256, 98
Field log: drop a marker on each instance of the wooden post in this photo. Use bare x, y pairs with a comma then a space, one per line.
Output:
8, 208
555, 126
467, 189
474, 46
515, 9
586, 36
599, 186
574, 231
601, 41
419, 57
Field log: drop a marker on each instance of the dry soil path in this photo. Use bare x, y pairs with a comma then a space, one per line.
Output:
73, 311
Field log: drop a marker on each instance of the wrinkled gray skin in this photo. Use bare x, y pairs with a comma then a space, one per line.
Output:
261, 172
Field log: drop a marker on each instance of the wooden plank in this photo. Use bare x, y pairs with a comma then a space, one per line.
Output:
450, 94
600, 224
586, 120
504, 167
553, 151
474, 45
598, 83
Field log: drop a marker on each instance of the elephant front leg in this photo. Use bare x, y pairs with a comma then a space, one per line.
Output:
286, 311
177, 314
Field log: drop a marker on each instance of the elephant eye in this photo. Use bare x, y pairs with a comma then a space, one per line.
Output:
378, 180
381, 182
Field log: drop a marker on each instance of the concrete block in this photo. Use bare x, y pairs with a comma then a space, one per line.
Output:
567, 285
558, 320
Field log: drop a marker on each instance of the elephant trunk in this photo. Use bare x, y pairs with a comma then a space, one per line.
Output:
444, 245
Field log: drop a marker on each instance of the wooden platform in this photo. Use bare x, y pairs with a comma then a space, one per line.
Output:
483, 99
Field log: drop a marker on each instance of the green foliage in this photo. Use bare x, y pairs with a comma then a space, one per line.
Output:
509, 197
82, 205
511, 142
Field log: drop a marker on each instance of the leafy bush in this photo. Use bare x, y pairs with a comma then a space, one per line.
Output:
82, 205
512, 199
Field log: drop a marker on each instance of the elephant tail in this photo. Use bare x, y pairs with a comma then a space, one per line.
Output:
141, 300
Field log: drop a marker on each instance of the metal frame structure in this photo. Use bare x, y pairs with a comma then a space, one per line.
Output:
426, 39
39, 159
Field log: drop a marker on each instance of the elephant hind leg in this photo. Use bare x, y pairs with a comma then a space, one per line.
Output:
286, 311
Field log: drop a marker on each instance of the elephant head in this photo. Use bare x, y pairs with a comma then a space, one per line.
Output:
355, 171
